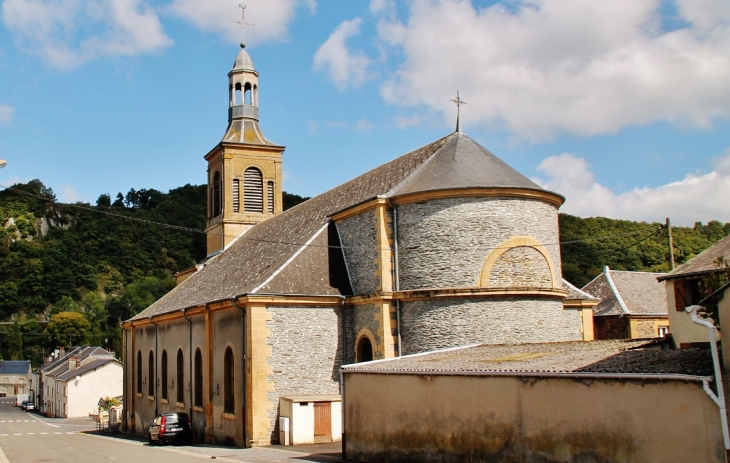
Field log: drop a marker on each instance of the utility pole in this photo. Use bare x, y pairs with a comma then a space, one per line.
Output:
671, 245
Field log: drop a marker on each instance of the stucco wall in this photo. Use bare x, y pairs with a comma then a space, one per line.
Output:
306, 354
684, 330
500, 419
443, 243
359, 241
441, 323
84, 394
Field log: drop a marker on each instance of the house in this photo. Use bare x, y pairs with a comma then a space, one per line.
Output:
72, 382
632, 305
612, 400
444, 246
690, 283
15, 377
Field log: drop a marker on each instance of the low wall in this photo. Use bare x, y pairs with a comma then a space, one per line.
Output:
512, 419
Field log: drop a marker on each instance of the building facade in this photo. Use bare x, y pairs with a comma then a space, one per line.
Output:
441, 247
15, 377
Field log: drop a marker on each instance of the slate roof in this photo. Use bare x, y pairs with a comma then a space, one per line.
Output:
628, 293
14, 367
59, 366
703, 262
91, 365
640, 357
575, 293
289, 254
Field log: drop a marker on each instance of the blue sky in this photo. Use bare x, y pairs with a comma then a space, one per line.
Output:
623, 106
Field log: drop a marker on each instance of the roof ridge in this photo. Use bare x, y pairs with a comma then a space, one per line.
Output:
620, 300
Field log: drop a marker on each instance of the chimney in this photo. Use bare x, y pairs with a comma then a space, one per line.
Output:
73, 362
63, 350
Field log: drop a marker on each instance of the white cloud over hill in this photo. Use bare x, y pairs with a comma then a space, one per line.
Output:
6, 113
346, 67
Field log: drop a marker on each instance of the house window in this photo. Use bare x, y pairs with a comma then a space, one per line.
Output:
236, 197
663, 331
164, 374
228, 384
217, 198
198, 378
139, 372
253, 190
270, 196
180, 377
686, 293
151, 375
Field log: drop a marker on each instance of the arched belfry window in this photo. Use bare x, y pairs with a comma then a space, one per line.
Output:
364, 350
247, 94
163, 374
237, 100
180, 377
217, 198
228, 382
198, 378
253, 190
151, 375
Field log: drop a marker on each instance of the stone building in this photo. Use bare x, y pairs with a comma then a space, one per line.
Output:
15, 377
444, 246
632, 305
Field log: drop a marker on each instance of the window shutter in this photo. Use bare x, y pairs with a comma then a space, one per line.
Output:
680, 295
236, 198
270, 197
253, 191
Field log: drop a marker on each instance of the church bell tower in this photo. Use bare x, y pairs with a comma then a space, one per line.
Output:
244, 170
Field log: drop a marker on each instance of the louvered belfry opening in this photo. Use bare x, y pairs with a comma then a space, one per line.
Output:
236, 197
270, 197
217, 194
253, 190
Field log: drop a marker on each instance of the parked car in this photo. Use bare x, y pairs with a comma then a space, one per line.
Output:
171, 427
23, 404
29, 406
3, 394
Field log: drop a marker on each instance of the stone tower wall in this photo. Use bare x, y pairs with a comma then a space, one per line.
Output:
359, 240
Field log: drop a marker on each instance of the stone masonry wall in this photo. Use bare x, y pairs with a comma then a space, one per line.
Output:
359, 317
443, 323
522, 266
306, 353
359, 241
443, 243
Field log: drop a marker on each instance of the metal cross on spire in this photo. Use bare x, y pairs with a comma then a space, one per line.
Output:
459, 103
242, 23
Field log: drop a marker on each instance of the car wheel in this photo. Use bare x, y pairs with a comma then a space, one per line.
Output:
149, 439
162, 442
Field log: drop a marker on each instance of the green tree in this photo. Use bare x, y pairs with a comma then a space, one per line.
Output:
94, 309
68, 329
11, 342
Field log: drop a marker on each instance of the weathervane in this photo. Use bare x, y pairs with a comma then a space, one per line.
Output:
243, 24
459, 103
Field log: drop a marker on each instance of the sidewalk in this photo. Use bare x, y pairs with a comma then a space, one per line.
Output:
325, 453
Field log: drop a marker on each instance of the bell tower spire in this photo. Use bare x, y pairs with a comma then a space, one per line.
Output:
244, 169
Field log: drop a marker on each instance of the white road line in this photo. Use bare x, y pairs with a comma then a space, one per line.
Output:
71, 432
57, 433
29, 433
18, 434
3, 435
44, 433
44, 422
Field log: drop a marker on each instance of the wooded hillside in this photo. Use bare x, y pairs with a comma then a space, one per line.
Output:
69, 274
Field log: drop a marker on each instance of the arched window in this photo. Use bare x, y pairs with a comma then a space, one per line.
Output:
237, 100
364, 350
228, 384
253, 190
270, 196
247, 94
180, 377
151, 375
139, 372
217, 198
198, 378
164, 374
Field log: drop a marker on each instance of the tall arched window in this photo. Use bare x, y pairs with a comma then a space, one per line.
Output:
198, 378
253, 190
247, 94
139, 372
217, 198
228, 383
180, 377
163, 373
364, 350
151, 375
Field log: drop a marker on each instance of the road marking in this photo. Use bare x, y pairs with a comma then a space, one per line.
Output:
44, 422
71, 432
44, 433
3, 435
18, 434
29, 433
57, 433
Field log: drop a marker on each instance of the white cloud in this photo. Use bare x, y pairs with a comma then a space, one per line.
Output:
538, 68
694, 198
69, 195
270, 18
363, 125
6, 113
380, 6
67, 33
346, 67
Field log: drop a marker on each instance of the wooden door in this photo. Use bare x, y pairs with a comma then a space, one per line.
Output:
322, 422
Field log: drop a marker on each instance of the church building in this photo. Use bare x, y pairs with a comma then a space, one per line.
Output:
444, 246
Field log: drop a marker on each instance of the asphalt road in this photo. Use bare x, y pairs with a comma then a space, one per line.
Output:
27, 437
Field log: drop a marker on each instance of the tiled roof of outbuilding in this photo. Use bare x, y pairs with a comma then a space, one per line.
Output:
628, 293
704, 262
611, 356
14, 367
289, 253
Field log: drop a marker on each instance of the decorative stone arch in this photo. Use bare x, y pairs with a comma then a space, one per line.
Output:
365, 337
512, 243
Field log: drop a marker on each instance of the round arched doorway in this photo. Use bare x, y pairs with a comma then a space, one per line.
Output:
364, 350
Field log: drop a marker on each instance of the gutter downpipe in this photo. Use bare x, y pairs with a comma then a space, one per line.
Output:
396, 272
190, 362
719, 399
243, 370
157, 385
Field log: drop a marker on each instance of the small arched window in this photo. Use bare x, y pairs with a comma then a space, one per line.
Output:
139, 372
163, 373
247, 94
364, 350
253, 190
217, 198
180, 377
228, 382
198, 378
237, 97
151, 375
